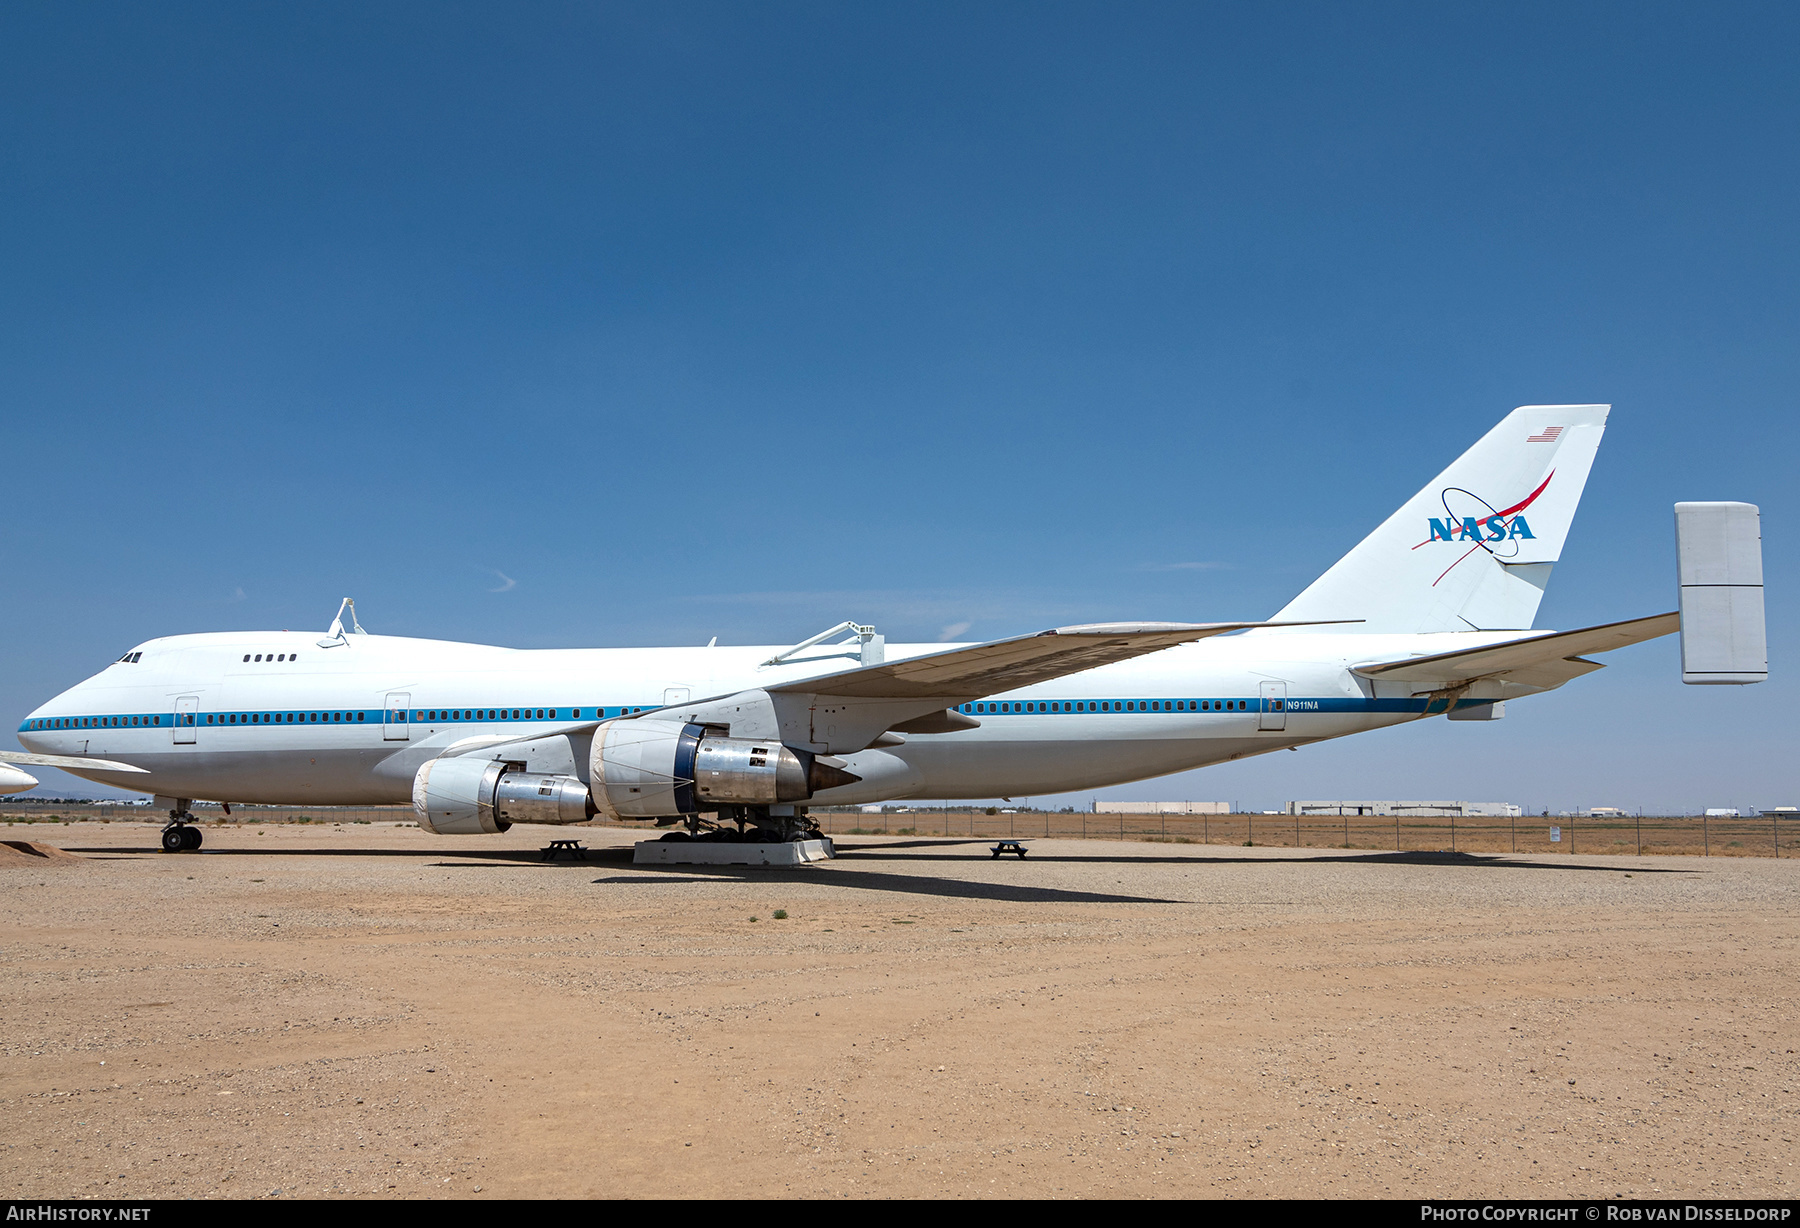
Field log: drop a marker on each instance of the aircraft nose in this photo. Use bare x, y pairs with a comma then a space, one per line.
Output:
12, 780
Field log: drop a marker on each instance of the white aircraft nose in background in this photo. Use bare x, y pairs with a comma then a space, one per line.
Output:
12, 780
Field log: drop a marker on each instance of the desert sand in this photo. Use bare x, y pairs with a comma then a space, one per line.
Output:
361, 1010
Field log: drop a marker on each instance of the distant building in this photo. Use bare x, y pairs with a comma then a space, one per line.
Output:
1723, 812
1490, 810
1162, 807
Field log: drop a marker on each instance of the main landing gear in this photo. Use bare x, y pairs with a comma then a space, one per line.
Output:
181, 836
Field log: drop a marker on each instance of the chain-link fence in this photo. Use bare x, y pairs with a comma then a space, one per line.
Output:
1763, 836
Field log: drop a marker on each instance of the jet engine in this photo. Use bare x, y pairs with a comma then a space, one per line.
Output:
650, 769
470, 796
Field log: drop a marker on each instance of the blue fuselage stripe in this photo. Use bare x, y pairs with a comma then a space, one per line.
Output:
985, 708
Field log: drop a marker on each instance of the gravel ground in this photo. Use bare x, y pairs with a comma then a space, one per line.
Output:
303, 1011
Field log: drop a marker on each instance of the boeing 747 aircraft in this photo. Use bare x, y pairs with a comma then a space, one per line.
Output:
1430, 615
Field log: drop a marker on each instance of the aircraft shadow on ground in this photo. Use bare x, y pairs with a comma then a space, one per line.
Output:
489, 858
1481, 861
817, 874
472, 858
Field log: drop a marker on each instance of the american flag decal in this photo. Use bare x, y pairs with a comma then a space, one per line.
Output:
1549, 435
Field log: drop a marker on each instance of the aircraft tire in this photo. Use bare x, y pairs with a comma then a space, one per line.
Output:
172, 840
190, 838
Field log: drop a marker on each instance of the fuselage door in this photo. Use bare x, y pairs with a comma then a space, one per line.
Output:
393, 722
187, 711
1274, 706
675, 695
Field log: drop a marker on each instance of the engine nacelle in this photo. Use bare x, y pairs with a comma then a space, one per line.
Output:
468, 796
651, 769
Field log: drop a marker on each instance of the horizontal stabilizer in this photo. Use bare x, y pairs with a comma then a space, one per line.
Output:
1007, 665
78, 762
1545, 660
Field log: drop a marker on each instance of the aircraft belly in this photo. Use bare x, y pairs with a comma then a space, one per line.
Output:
313, 777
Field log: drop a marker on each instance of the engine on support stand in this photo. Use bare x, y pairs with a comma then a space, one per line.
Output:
674, 771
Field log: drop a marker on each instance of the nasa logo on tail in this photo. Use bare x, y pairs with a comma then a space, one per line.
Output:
1470, 518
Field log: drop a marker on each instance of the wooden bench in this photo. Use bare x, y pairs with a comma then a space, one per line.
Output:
1009, 846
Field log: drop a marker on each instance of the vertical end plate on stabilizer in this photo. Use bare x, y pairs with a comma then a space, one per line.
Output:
1718, 549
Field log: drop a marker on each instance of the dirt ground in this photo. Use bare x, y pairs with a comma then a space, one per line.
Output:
303, 1011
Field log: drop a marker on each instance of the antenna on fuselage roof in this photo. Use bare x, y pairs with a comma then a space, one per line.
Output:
334, 635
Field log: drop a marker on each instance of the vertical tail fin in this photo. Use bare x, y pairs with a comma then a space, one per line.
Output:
1473, 550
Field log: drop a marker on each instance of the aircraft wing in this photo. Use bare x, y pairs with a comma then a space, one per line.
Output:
1546, 660
845, 712
1007, 665
69, 761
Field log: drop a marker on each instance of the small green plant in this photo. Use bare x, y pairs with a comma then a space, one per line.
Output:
780, 914
992, 810
756, 918
1249, 844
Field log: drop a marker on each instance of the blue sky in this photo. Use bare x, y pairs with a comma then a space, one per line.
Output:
696, 320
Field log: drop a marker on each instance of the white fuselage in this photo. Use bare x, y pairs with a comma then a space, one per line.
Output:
274, 717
